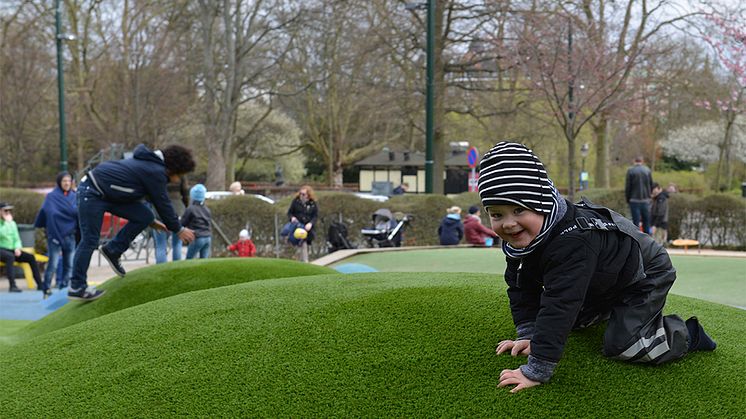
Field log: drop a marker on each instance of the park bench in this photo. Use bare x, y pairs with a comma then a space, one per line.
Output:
26, 267
685, 243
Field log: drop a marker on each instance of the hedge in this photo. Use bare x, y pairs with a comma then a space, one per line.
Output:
717, 220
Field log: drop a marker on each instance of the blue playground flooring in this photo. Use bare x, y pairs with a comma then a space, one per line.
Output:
30, 304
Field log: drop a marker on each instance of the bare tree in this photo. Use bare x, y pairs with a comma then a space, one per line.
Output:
242, 44
340, 89
26, 89
580, 56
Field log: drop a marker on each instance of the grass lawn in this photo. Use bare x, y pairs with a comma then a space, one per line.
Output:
164, 280
381, 344
718, 279
9, 328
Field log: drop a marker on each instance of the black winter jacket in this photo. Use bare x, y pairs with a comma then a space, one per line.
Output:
307, 212
574, 276
131, 180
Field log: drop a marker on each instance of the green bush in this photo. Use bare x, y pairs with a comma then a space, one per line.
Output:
234, 213
26, 203
686, 181
610, 198
717, 220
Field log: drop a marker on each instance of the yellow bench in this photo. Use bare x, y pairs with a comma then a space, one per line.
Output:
685, 243
27, 268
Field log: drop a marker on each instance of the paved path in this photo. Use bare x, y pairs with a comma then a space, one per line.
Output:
29, 304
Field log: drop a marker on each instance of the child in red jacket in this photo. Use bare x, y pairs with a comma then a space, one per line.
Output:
244, 247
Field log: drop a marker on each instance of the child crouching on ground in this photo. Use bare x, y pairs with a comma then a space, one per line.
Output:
571, 266
199, 218
244, 247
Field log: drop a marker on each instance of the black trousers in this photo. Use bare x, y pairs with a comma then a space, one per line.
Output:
638, 331
8, 257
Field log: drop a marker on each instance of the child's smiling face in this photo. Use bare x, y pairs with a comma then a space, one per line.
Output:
516, 225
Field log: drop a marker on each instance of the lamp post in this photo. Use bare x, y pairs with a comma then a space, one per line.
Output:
61, 83
430, 90
583, 175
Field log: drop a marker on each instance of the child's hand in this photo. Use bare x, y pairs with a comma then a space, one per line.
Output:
516, 347
510, 377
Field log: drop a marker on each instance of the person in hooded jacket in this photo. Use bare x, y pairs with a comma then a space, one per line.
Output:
474, 231
451, 230
59, 216
571, 266
198, 218
119, 187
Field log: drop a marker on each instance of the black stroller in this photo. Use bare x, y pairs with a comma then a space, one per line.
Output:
336, 237
387, 230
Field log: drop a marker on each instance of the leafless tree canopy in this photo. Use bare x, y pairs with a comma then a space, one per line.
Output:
273, 83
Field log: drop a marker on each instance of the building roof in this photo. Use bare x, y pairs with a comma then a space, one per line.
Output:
386, 158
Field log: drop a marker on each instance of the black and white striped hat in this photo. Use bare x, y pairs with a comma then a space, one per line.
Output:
510, 174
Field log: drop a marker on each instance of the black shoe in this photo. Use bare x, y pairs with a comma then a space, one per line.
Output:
698, 339
14, 289
85, 294
113, 261
47, 293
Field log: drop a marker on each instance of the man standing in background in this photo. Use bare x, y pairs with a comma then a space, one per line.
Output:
637, 189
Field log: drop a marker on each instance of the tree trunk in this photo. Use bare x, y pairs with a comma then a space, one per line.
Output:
601, 131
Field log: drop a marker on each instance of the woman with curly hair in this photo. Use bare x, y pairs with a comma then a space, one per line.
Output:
303, 210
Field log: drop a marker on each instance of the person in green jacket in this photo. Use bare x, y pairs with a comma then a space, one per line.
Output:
10, 248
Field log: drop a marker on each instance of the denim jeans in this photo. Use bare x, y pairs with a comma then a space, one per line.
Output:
201, 245
91, 209
55, 249
161, 246
641, 212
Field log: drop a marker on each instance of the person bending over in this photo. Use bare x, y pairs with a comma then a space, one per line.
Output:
119, 187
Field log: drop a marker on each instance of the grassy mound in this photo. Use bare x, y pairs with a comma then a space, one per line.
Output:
168, 279
381, 344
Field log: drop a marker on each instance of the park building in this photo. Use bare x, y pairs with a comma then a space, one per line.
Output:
380, 173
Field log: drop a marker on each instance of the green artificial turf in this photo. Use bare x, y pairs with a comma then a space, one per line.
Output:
717, 279
381, 344
164, 280
9, 328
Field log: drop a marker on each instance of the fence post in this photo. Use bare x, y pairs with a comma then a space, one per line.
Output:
277, 238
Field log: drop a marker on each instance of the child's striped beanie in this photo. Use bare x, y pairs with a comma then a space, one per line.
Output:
510, 174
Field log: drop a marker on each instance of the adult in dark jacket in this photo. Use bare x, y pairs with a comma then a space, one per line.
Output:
637, 187
305, 211
59, 216
474, 231
178, 193
451, 230
119, 187
571, 266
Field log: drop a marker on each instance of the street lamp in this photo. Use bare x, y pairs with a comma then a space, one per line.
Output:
61, 83
430, 90
583, 174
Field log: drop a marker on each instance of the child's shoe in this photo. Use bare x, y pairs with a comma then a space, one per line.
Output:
85, 294
113, 260
698, 339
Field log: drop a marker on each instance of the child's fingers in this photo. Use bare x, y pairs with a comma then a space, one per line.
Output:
504, 346
518, 388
